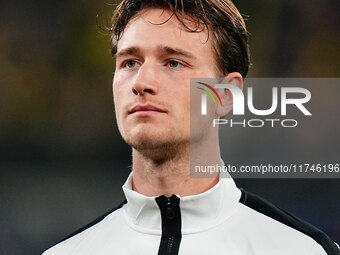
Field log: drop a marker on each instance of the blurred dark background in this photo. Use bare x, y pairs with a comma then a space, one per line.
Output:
62, 160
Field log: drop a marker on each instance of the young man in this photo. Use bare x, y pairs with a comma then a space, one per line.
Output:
159, 46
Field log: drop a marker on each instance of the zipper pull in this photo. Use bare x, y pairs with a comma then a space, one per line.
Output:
170, 214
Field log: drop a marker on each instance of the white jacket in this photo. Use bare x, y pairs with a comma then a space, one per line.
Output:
223, 220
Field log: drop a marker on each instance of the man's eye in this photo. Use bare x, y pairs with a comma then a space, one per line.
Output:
130, 64
174, 64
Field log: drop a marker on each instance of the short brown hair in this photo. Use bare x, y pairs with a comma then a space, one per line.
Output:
220, 17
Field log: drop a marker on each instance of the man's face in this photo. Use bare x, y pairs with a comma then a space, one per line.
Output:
151, 86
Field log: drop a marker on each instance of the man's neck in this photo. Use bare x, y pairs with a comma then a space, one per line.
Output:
166, 177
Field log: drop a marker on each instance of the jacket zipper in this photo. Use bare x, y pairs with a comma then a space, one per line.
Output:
171, 225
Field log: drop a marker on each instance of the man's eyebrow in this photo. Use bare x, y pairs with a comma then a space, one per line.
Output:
175, 51
165, 50
127, 52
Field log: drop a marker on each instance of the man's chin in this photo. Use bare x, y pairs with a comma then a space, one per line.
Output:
148, 143
146, 138
161, 147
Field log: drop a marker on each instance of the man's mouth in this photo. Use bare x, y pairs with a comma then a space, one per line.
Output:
146, 109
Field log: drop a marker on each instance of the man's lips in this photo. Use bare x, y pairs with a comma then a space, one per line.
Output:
146, 108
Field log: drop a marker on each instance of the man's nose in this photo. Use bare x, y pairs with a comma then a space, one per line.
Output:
147, 80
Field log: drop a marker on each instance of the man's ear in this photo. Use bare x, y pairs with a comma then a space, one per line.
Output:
235, 79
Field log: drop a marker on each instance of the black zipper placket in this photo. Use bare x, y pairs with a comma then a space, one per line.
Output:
171, 225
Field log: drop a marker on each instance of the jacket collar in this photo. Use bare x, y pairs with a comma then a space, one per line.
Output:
198, 212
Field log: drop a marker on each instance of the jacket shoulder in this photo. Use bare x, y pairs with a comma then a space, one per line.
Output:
66, 245
266, 208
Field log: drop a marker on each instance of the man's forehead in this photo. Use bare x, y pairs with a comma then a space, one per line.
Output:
160, 19
164, 17
161, 30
